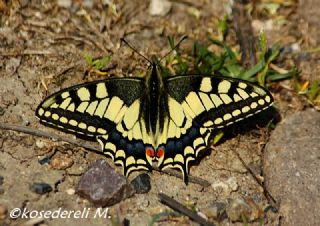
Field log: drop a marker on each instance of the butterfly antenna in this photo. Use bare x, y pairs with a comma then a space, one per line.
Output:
134, 50
175, 47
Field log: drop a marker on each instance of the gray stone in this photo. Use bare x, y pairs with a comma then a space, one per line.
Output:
292, 168
41, 188
141, 183
103, 186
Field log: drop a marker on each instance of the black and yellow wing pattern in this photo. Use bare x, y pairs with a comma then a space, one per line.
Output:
141, 120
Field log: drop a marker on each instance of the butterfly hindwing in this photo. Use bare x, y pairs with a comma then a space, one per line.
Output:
199, 104
108, 111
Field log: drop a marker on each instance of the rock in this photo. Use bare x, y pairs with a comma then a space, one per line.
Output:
141, 183
216, 211
240, 208
103, 186
3, 212
292, 168
159, 7
41, 188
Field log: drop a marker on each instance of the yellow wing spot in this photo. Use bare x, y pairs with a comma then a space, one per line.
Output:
110, 146
236, 98
176, 112
101, 131
65, 103
261, 101
168, 161
132, 114
120, 153
141, 161
101, 90
82, 125
208, 123
268, 99
205, 85
113, 109
188, 150
236, 112
243, 93
92, 129
218, 121
203, 130
102, 107
195, 103
71, 107
245, 109
242, 85
64, 95
254, 105
198, 141
227, 117
83, 94
54, 105
40, 111
47, 114
92, 107
63, 120
179, 158
253, 94
55, 116
224, 86
130, 160
259, 90
226, 99
73, 122
82, 107
206, 101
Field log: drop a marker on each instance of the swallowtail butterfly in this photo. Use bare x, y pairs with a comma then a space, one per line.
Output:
156, 118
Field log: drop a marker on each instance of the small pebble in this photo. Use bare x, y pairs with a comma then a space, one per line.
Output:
41, 188
44, 160
141, 183
3, 212
71, 191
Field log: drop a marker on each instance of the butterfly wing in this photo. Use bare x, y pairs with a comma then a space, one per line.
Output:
108, 111
199, 104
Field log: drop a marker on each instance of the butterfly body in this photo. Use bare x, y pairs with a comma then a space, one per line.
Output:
160, 118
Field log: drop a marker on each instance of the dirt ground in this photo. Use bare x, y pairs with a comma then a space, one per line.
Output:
42, 44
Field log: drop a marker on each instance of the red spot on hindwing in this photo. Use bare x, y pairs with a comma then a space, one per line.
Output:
160, 152
150, 152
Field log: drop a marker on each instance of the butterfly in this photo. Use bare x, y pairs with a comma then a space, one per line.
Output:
168, 119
